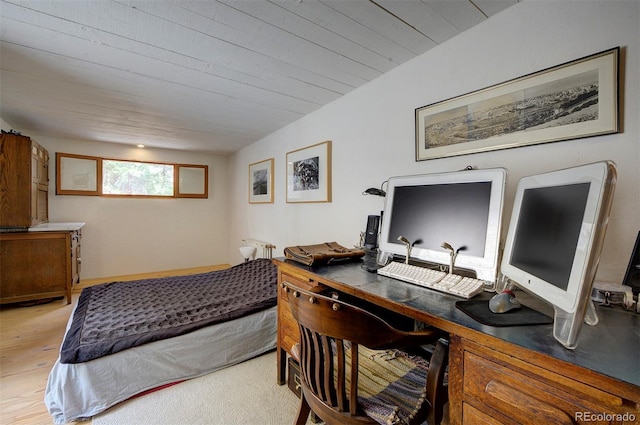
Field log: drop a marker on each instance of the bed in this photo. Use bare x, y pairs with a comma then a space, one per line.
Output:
126, 338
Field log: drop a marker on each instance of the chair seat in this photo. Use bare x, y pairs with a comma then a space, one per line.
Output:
392, 384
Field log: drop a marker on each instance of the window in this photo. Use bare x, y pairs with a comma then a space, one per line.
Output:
119, 177
192, 181
137, 178
77, 174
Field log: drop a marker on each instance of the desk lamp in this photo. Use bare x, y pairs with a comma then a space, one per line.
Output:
247, 252
375, 191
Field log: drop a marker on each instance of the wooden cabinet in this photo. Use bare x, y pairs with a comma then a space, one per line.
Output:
38, 265
33, 264
24, 182
491, 387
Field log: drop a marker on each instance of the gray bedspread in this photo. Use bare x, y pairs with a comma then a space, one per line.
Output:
115, 316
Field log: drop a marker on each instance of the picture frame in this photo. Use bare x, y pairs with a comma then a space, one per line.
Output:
261, 182
569, 101
309, 174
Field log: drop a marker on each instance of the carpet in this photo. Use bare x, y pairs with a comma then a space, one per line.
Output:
244, 394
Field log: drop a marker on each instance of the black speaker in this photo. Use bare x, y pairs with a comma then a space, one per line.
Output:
371, 234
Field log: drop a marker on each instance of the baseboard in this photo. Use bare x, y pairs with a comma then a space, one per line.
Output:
84, 283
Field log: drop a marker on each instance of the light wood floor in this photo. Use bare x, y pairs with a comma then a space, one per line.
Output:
30, 338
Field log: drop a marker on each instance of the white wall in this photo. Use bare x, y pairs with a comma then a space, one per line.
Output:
372, 128
128, 236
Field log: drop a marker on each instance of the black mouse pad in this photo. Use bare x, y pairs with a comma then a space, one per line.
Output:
479, 310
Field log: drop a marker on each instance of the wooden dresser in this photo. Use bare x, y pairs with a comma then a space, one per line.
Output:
41, 263
508, 375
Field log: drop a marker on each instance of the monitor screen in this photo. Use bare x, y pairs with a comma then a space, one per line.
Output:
432, 214
555, 238
548, 230
463, 209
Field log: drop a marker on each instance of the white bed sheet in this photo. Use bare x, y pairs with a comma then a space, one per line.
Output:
81, 390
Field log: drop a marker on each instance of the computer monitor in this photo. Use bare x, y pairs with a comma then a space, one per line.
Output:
555, 238
462, 209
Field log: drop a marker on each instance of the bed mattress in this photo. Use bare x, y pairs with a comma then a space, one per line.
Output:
115, 316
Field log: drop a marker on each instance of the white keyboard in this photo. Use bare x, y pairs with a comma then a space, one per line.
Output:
465, 287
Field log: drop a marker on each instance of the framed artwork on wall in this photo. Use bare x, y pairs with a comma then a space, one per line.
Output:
261, 182
309, 174
569, 101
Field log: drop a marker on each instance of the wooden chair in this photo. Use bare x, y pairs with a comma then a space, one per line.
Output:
331, 333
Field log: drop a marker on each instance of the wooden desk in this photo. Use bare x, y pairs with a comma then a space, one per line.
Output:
497, 375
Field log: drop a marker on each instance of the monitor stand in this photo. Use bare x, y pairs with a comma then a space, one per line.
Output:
566, 326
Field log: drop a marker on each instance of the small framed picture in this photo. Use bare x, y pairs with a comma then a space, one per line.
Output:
261, 182
309, 174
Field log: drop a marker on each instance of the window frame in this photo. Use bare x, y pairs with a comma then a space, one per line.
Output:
94, 174
186, 192
61, 189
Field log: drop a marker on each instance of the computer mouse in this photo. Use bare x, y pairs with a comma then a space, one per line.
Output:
503, 302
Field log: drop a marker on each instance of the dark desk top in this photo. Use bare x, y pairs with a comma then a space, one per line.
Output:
611, 348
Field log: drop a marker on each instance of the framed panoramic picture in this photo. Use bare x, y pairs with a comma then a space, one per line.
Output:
309, 174
573, 100
261, 182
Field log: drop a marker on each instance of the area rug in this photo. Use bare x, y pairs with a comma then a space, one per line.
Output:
244, 394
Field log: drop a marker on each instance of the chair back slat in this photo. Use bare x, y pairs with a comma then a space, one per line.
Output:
354, 378
327, 371
340, 376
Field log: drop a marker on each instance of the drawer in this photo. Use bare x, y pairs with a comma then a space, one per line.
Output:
293, 379
288, 332
473, 416
526, 400
299, 281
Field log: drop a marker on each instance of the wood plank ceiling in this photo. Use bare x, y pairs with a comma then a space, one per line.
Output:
210, 76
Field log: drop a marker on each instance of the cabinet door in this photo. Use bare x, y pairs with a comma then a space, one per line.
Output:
35, 266
15, 181
39, 185
75, 257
